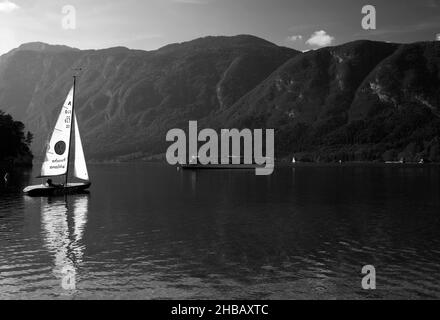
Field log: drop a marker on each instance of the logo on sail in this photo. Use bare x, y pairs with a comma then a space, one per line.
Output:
60, 148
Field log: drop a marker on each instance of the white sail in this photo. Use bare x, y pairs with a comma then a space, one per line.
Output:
80, 161
56, 160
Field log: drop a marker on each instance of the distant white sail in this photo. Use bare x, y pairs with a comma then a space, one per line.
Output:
56, 160
80, 161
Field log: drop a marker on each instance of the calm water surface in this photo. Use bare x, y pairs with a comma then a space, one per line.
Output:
149, 232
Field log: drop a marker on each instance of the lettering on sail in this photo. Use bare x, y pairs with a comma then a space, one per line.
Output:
58, 164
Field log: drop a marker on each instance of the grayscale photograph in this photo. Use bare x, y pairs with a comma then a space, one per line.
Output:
219, 150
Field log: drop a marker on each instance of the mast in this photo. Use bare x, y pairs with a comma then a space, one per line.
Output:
71, 129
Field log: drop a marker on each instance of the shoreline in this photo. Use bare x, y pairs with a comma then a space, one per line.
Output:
277, 163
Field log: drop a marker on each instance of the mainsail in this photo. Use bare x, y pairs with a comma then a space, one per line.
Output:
80, 161
57, 153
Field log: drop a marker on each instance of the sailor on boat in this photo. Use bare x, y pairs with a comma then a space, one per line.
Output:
50, 183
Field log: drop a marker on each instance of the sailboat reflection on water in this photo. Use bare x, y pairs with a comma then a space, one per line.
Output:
63, 223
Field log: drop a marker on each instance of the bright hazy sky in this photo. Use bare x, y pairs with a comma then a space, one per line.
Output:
150, 24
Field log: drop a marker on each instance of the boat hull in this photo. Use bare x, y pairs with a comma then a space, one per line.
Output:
42, 190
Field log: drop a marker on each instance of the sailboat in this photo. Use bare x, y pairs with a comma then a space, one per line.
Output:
58, 154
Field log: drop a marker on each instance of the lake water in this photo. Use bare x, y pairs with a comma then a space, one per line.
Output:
147, 231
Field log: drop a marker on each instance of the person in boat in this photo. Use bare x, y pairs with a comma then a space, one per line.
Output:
50, 183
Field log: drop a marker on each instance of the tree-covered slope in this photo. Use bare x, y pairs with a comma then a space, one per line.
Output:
360, 101
14, 142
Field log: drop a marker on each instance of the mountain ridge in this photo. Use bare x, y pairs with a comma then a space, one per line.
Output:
128, 99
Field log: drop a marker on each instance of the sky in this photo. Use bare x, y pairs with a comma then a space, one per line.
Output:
150, 24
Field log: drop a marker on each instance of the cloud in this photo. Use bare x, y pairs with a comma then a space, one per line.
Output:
294, 38
320, 39
8, 6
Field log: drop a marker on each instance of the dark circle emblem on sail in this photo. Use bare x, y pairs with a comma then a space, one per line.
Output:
60, 148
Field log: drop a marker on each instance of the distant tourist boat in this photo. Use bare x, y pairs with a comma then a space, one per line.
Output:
57, 159
401, 161
194, 164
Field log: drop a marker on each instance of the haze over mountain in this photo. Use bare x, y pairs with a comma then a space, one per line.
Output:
360, 101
